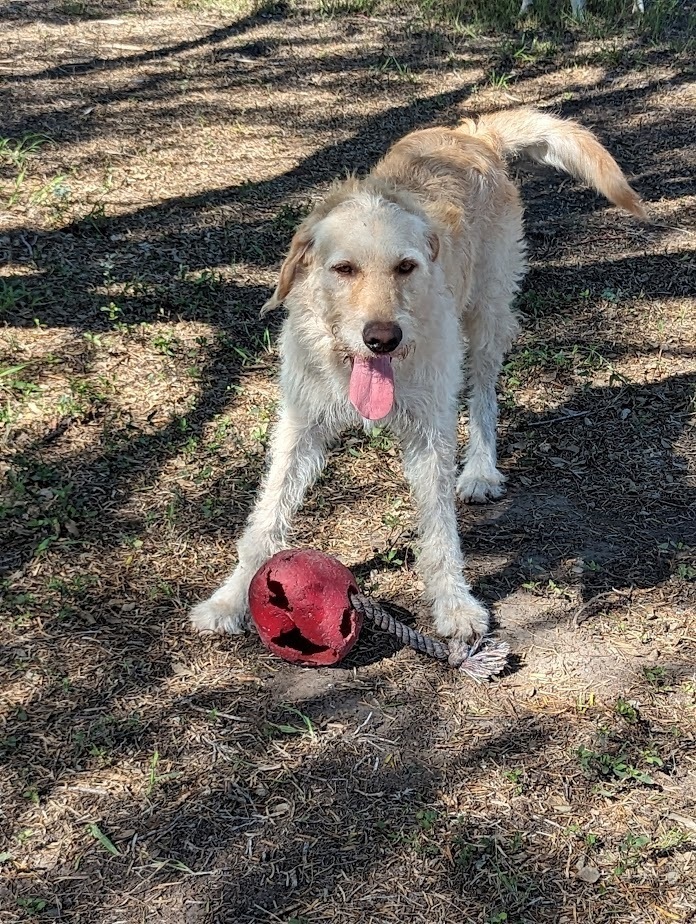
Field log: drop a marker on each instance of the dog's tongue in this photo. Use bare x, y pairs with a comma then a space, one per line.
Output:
372, 386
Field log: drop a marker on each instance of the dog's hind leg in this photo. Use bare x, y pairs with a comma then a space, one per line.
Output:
430, 465
490, 331
298, 452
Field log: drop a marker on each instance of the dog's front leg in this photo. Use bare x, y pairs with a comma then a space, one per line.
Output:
297, 457
429, 464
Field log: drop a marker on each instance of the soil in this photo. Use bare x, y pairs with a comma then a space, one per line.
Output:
154, 164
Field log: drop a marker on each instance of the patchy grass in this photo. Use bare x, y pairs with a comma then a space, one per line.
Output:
154, 161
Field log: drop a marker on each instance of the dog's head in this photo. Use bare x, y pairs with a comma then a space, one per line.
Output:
369, 259
362, 265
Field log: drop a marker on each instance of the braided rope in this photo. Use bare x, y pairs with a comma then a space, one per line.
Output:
388, 623
480, 661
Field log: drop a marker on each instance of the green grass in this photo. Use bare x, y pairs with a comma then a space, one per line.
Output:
605, 18
15, 296
499, 80
15, 389
39, 500
16, 153
393, 67
614, 768
330, 8
527, 363
32, 905
108, 845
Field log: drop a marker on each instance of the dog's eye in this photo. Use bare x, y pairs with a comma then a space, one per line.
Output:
405, 267
344, 269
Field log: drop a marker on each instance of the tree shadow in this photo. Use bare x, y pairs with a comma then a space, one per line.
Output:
606, 500
66, 11
394, 791
106, 716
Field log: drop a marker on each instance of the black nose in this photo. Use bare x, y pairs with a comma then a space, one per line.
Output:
381, 337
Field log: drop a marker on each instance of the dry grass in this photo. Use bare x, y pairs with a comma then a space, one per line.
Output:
154, 162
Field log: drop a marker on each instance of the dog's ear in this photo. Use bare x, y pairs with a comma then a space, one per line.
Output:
300, 246
433, 245
448, 221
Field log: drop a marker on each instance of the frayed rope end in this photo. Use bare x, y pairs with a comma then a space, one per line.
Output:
480, 661
486, 658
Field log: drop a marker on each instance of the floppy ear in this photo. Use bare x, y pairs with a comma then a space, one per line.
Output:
433, 245
448, 221
297, 256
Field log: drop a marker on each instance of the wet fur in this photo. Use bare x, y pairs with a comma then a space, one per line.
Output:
442, 198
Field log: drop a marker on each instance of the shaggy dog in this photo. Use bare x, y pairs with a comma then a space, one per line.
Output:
388, 284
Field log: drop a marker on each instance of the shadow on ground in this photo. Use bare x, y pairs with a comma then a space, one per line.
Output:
148, 771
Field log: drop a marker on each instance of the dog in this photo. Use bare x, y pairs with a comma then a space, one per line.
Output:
579, 7
389, 284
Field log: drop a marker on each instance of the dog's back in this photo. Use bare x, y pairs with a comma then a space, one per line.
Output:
458, 164
452, 174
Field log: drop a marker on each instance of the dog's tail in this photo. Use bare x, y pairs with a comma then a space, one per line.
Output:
559, 143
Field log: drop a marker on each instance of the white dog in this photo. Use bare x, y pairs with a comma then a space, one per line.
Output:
578, 7
388, 283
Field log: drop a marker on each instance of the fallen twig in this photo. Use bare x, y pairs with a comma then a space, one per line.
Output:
584, 613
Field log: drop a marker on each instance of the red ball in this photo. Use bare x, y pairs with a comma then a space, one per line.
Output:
300, 603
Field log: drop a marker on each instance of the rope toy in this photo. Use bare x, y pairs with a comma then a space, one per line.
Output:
308, 610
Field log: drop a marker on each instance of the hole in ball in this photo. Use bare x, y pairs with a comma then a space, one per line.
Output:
346, 622
295, 640
277, 596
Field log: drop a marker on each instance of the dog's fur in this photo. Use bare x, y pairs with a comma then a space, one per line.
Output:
442, 200
578, 7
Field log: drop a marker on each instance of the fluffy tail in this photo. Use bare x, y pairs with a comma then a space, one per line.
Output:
560, 143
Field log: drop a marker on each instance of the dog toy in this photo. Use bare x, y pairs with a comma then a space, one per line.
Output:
308, 610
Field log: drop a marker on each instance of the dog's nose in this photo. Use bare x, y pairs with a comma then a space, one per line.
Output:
381, 337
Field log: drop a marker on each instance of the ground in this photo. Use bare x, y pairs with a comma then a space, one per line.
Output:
155, 159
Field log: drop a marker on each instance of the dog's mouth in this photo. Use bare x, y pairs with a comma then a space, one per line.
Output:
371, 390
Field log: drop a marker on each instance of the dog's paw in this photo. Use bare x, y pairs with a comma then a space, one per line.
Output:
477, 487
218, 615
463, 622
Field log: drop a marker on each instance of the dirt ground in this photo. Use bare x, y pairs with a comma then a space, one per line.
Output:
154, 161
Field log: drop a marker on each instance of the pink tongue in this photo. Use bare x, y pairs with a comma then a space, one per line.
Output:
372, 386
